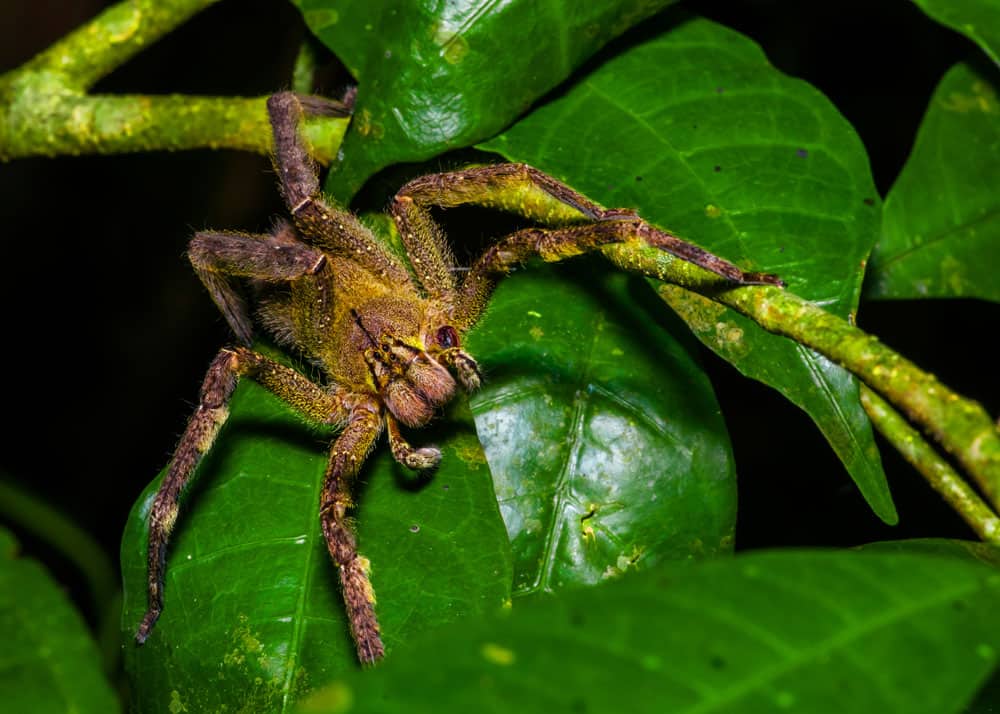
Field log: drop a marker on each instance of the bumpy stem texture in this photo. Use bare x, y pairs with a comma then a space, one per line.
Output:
959, 424
45, 111
942, 477
109, 40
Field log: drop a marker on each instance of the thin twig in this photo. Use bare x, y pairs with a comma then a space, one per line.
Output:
942, 477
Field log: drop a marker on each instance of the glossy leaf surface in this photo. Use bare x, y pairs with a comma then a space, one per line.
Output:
812, 631
435, 76
941, 223
48, 661
979, 20
696, 130
253, 615
605, 441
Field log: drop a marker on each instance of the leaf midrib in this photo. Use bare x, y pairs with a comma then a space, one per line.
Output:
993, 213
560, 497
298, 617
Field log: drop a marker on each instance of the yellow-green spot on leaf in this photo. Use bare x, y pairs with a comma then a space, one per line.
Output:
498, 655
980, 98
321, 18
732, 333
953, 274
455, 49
618, 352
785, 700
986, 651
713, 211
651, 662
366, 126
244, 643
533, 313
728, 338
333, 699
176, 706
536, 333
470, 451
696, 310
623, 563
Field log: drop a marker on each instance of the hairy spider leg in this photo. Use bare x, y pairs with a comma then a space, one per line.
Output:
219, 258
526, 191
555, 244
325, 406
427, 248
341, 234
346, 457
465, 367
421, 459
320, 224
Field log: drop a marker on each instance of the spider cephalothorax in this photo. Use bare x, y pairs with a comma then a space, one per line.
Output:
387, 340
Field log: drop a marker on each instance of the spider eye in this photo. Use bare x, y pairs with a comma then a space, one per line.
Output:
447, 337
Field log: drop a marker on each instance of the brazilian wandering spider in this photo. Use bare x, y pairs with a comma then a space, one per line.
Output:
389, 344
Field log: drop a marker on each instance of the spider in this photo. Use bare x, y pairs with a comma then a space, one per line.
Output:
388, 341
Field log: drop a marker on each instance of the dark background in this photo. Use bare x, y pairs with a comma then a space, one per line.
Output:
107, 331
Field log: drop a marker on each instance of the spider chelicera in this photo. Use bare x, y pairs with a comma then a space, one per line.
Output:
388, 340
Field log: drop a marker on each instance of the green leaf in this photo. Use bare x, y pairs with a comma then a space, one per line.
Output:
603, 435
808, 631
435, 76
253, 616
698, 132
941, 223
972, 551
979, 20
48, 661
986, 699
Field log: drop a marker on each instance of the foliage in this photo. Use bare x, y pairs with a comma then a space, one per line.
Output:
48, 662
942, 214
764, 632
603, 581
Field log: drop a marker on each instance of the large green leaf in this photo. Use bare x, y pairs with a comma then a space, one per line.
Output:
436, 75
253, 616
48, 661
603, 435
986, 700
979, 20
941, 222
700, 133
806, 631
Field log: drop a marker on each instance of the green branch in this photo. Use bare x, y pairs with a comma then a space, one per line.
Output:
109, 40
45, 111
960, 425
40, 122
942, 477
